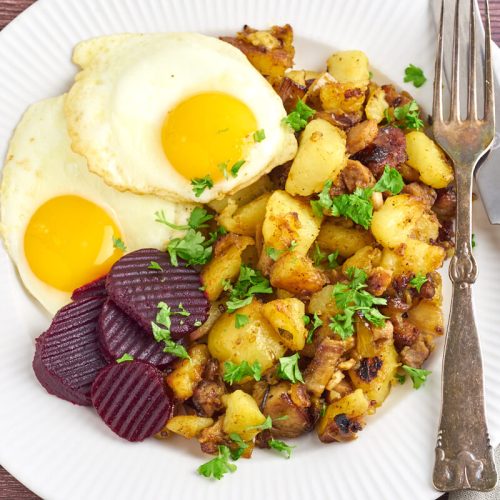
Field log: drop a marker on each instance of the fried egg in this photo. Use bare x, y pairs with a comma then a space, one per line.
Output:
62, 225
152, 112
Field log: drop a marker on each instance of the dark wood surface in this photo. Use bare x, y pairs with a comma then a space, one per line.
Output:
10, 489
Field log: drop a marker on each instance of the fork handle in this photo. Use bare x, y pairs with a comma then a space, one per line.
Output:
464, 456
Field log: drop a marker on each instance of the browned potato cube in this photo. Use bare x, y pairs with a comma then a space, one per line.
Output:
188, 426
347, 240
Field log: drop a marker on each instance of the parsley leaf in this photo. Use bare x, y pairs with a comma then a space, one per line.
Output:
357, 206
318, 255
408, 115
259, 135
273, 253
306, 319
236, 167
418, 281
176, 349
163, 317
223, 168
196, 220
415, 74
281, 446
332, 259
391, 180
192, 248
317, 322
264, 426
155, 266
289, 369
182, 311
219, 465
242, 446
241, 320
118, 244
297, 119
200, 184
473, 240
418, 376
322, 412
125, 357
235, 373
400, 378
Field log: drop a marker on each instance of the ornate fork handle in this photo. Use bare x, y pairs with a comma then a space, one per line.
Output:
464, 456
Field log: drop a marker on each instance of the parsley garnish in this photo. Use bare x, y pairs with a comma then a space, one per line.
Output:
281, 446
241, 320
415, 74
297, 119
418, 281
250, 282
223, 168
473, 240
408, 115
182, 311
155, 266
219, 465
236, 167
274, 253
391, 180
125, 357
235, 373
332, 259
418, 376
288, 369
351, 298
200, 184
118, 244
163, 318
259, 135
318, 255
196, 220
267, 424
400, 378
192, 248
198, 323
317, 322
242, 446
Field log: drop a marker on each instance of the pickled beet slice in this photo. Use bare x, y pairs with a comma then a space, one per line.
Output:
132, 399
95, 288
137, 290
67, 356
119, 334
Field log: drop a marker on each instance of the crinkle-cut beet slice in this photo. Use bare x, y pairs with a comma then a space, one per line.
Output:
95, 288
137, 290
119, 334
67, 356
132, 399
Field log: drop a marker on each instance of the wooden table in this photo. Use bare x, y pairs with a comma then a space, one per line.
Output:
10, 489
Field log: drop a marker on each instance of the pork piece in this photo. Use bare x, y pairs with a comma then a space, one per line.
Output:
132, 399
279, 175
445, 205
388, 148
207, 398
361, 135
95, 288
408, 173
342, 121
290, 92
415, 355
405, 333
356, 175
342, 428
378, 281
394, 98
212, 437
67, 356
422, 192
321, 368
293, 402
137, 290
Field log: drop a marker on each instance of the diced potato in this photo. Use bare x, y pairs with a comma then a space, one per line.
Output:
365, 258
426, 228
288, 219
427, 317
376, 105
188, 426
302, 76
353, 406
286, 317
320, 157
365, 344
296, 274
394, 223
342, 98
245, 219
349, 66
429, 159
413, 257
242, 412
347, 240
255, 341
379, 387
225, 264
187, 372
323, 303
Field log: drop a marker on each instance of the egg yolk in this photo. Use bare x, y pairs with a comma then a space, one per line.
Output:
70, 241
206, 132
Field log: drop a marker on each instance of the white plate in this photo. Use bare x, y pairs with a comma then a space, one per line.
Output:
62, 451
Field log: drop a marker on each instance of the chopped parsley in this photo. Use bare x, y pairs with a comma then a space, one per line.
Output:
400, 378
242, 446
418, 376
162, 333
332, 259
288, 369
318, 255
219, 465
267, 424
297, 119
259, 135
415, 75
200, 184
234, 373
391, 180
408, 115
317, 322
118, 244
223, 168
473, 240
418, 281
281, 446
241, 320
125, 357
274, 253
197, 323
155, 266
236, 167
351, 299
196, 220
192, 248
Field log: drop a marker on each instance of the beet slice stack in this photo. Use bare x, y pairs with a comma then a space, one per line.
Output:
137, 290
93, 289
132, 399
67, 357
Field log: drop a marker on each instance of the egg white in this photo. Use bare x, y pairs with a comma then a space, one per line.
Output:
40, 166
127, 83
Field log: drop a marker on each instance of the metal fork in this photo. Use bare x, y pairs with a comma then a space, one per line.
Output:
464, 456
